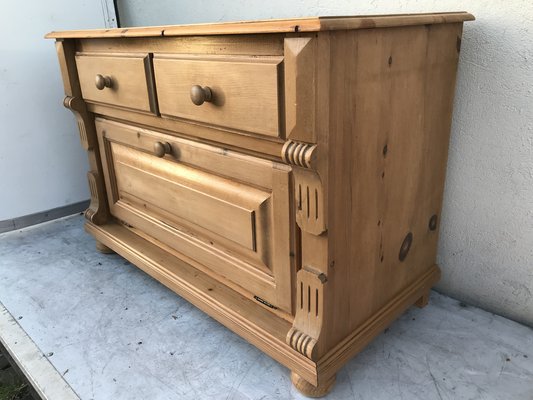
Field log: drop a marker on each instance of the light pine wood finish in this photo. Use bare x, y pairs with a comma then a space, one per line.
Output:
245, 93
311, 24
299, 205
219, 207
129, 76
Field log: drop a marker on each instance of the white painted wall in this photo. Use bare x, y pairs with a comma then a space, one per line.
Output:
486, 244
42, 165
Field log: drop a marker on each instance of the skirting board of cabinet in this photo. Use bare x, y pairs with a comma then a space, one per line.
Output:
242, 315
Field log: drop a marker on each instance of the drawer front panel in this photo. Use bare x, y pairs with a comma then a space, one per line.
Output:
187, 193
245, 91
126, 80
226, 211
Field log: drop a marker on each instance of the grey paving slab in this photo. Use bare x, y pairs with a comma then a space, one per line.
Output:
115, 333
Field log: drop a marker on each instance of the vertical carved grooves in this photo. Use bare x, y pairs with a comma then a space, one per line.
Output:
96, 213
316, 203
305, 331
299, 196
309, 299
316, 302
309, 203
83, 132
301, 295
299, 154
84, 120
92, 185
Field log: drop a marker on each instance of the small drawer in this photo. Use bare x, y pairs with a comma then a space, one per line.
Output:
123, 80
239, 92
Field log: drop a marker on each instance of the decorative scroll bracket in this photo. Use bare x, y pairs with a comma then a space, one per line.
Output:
299, 154
97, 212
305, 332
85, 122
309, 198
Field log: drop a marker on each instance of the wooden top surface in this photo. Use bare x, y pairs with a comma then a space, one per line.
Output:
311, 24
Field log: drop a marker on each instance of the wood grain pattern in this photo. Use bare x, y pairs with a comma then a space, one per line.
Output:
388, 181
311, 24
300, 210
245, 90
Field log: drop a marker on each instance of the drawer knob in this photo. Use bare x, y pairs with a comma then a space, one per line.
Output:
200, 94
161, 148
102, 82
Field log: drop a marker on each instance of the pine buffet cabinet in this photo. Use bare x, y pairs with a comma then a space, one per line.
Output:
284, 176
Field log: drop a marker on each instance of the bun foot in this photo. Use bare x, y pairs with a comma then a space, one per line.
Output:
309, 390
102, 248
423, 301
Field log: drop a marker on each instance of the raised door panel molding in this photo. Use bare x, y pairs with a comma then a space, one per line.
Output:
227, 211
219, 205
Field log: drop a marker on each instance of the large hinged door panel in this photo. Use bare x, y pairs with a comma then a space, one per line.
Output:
226, 211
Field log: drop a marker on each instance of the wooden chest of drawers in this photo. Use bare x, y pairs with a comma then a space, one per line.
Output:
284, 176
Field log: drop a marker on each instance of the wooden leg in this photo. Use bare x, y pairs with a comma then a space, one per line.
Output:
102, 248
310, 390
423, 301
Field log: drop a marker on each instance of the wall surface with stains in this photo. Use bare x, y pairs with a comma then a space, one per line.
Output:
486, 242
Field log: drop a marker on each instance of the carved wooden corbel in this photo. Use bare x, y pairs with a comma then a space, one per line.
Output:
97, 212
305, 331
309, 198
84, 119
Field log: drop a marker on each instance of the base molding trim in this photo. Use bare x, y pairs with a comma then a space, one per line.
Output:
354, 343
266, 331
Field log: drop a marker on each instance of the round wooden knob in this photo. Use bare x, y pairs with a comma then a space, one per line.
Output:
161, 148
199, 94
102, 82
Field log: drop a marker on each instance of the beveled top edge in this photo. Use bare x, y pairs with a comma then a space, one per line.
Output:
307, 24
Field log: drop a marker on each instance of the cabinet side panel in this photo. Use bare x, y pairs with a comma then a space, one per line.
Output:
390, 114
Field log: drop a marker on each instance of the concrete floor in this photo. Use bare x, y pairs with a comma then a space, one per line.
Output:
115, 333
